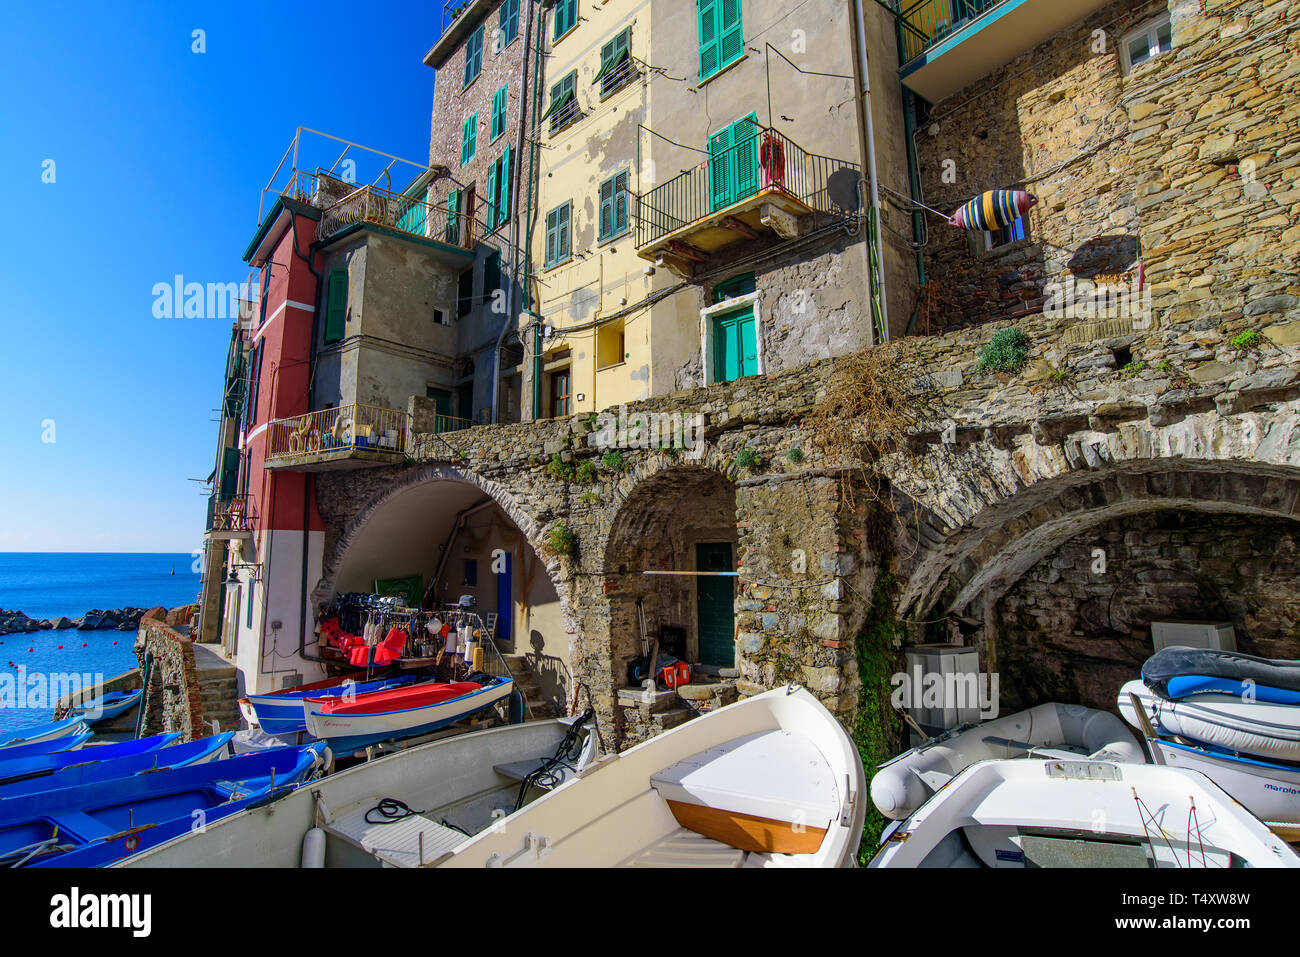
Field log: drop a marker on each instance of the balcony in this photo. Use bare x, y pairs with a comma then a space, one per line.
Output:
763, 185
231, 519
349, 437
949, 44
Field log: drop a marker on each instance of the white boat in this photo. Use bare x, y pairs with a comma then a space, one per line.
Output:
1069, 731
1081, 814
457, 785
772, 780
1268, 787
1264, 729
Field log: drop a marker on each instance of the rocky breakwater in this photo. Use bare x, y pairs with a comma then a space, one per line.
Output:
115, 619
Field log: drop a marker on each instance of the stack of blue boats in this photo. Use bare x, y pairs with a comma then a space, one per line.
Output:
66, 805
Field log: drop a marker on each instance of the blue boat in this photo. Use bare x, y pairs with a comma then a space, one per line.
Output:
91, 769
14, 768
109, 706
131, 814
46, 739
281, 712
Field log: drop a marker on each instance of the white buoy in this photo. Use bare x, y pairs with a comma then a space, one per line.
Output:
313, 849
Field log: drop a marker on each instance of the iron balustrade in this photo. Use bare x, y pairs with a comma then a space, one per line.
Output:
766, 161
409, 214
235, 515
926, 21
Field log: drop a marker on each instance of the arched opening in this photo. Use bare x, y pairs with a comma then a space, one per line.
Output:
449, 537
1066, 577
681, 521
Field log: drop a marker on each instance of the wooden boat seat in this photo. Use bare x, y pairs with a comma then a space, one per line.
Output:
396, 844
769, 792
518, 770
685, 848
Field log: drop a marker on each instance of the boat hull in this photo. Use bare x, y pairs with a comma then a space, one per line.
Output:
108, 707
32, 738
11, 768
92, 768
1264, 729
352, 732
1269, 791
282, 712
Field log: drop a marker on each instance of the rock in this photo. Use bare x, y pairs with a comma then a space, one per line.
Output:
46, 624
157, 612
126, 626
61, 622
1271, 304
89, 623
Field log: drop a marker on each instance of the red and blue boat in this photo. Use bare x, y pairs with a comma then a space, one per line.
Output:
280, 713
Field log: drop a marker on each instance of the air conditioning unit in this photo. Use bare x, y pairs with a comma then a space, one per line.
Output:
1215, 635
951, 671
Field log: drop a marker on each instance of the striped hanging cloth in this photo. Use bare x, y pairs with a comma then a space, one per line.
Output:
993, 210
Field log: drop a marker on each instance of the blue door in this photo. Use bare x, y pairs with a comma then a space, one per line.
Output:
505, 598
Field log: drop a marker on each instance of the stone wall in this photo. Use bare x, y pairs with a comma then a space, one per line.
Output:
172, 700
1182, 174
1076, 630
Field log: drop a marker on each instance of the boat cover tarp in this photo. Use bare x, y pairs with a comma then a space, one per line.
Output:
1177, 661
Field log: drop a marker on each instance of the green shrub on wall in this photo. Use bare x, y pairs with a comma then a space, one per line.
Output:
1007, 351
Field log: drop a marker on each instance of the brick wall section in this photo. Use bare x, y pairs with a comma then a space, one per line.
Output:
1190, 162
172, 701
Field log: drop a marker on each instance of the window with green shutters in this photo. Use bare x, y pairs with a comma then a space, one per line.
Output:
254, 380
336, 308
613, 205
557, 234
722, 37
733, 162
453, 217
615, 62
735, 345
507, 23
498, 194
229, 481
564, 103
469, 139
474, 55
566, 15
499, 100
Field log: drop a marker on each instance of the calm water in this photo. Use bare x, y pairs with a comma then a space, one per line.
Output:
46, 585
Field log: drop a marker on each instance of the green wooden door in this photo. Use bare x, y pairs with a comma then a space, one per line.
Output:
716, 609
735, 345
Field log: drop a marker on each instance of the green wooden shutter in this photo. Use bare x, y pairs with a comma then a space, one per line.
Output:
564, 230
337, 305
469, 139
229, 474
744, 138
709, 61
731, 35
453, 217
620, 201
465, 293
557, 235
490, 200
551, 237
613, 56
504, 184
607, 227
720, 160
499, 112
491, 275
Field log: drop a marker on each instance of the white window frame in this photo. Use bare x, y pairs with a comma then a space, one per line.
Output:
706, 332
1150, 29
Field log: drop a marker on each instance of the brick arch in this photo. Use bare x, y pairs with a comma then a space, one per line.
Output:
991, 514
505, 498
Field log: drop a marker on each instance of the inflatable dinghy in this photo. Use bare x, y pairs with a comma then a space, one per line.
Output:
1069, 731
1224, 721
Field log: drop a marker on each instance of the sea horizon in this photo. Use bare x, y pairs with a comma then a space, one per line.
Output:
49, 585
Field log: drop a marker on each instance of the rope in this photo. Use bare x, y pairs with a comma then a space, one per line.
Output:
548, 775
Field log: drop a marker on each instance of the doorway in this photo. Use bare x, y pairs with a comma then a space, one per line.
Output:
715, 605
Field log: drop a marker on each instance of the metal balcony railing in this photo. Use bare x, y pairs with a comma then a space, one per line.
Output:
924, 22
347, 428
766, 160
234, 515
372, 204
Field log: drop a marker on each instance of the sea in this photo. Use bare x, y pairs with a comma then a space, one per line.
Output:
50, 584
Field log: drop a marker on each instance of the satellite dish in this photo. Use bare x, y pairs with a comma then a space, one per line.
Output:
842, 186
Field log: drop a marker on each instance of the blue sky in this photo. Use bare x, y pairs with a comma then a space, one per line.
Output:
160, 155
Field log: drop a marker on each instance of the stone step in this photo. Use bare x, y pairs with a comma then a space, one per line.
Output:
666, 720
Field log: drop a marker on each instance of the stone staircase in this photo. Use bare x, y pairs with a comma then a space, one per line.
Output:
538, 706
218, 688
